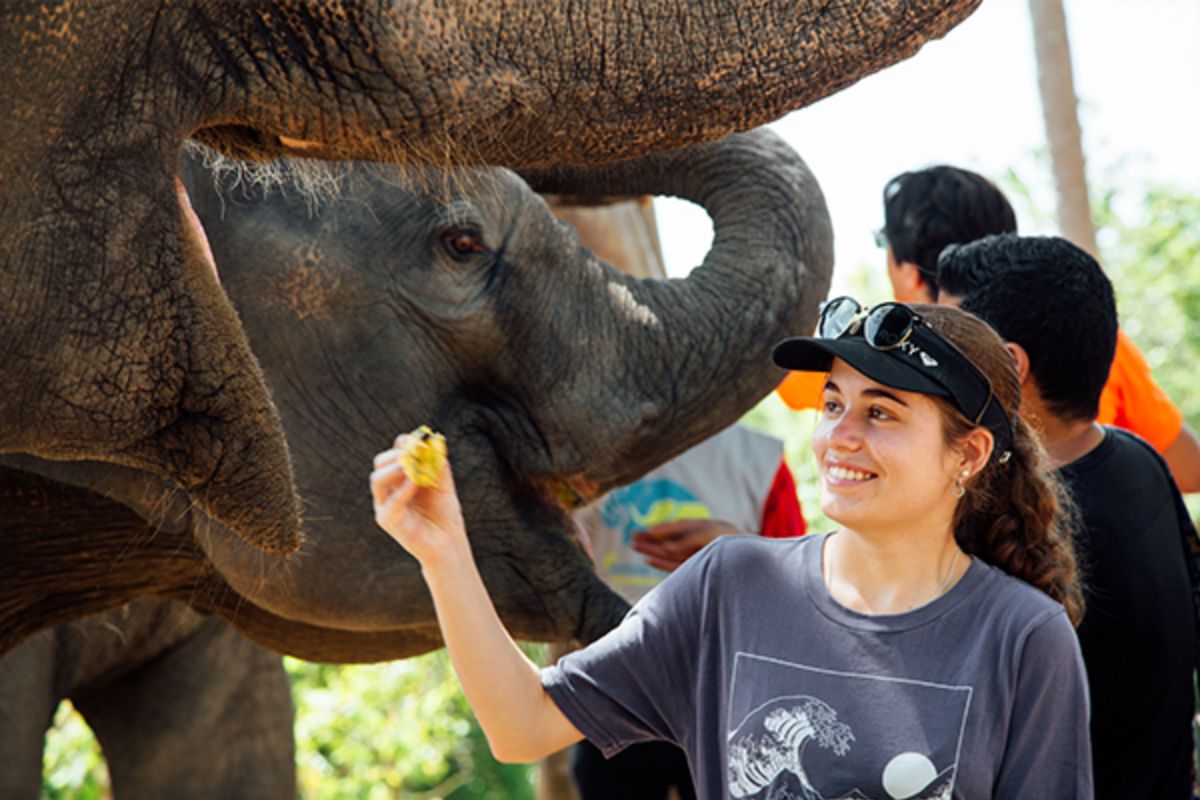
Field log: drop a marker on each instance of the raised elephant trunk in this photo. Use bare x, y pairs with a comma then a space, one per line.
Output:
688, 357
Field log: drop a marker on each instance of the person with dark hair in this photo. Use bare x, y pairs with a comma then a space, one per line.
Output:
928, 210
1130, 398
923, 211
923, 649
1054, 305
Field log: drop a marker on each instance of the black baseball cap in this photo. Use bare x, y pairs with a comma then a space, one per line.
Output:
925, 362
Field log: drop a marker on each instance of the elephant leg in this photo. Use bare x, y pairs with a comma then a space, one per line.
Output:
210, 718
28, 698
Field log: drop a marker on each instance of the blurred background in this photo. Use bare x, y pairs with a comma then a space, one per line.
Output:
972, 100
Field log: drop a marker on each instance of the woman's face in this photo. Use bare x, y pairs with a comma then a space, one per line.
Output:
881, 455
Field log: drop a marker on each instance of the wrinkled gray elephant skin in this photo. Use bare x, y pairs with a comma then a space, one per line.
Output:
117, 343
455, 299
183, 706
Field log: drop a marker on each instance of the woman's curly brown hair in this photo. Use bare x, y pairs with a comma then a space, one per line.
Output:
1017, 515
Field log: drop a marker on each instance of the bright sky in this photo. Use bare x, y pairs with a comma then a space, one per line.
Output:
971, 100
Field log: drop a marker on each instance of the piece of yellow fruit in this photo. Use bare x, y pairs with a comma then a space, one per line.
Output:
423, 457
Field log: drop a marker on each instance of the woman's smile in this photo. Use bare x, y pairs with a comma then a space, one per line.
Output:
841, 474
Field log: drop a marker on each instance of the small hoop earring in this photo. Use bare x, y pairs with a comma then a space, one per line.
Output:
959, 489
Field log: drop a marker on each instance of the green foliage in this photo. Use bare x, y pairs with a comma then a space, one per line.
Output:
1152, 254
367, 732
400, 729
73, 767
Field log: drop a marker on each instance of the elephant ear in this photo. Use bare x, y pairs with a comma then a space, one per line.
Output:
142, 363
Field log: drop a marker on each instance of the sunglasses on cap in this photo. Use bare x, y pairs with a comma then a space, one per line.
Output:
894, 326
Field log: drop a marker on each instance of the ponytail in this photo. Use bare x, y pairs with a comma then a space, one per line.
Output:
1016, 514
1019, 517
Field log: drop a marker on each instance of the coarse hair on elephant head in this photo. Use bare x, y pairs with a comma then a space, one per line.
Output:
117, 342
460, 301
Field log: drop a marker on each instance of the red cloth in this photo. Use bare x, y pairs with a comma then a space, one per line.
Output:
781, 516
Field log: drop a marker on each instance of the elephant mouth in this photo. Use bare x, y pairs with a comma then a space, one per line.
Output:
571, 493
252, 146
196, 228
301, 145
247, 143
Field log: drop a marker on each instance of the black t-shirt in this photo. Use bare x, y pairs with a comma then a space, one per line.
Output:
1138, 635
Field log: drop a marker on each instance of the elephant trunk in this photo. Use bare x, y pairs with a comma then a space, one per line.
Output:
696, 352
529, 84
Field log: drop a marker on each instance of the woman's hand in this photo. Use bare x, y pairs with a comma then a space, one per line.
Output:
428, 523
502, 685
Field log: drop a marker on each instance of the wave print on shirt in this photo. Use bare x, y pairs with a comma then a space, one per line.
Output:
775, 742
840, 735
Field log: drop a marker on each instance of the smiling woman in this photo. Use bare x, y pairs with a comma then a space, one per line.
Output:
814, 664
902, 391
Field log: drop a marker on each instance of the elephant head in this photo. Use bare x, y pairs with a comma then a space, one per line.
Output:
117, 343
458, 300
464, 304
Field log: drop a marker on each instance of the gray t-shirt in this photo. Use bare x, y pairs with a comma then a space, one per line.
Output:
775, 690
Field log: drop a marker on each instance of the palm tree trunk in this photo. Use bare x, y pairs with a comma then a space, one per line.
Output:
1056, 85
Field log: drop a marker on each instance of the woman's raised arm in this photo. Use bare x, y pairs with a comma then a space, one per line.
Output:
502, 685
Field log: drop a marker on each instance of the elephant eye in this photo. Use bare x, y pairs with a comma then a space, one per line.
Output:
463, 243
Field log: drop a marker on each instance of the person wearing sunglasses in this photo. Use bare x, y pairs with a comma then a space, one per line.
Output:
923, 649
924, 210
1055, 306
927, 209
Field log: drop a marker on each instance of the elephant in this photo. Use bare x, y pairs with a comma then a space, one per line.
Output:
181, 703
119, 345
455, 299
297, 281
241, 743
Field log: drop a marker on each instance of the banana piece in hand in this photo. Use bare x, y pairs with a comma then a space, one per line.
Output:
423, 457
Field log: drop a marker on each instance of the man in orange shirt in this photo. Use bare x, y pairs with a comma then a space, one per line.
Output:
925, 211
